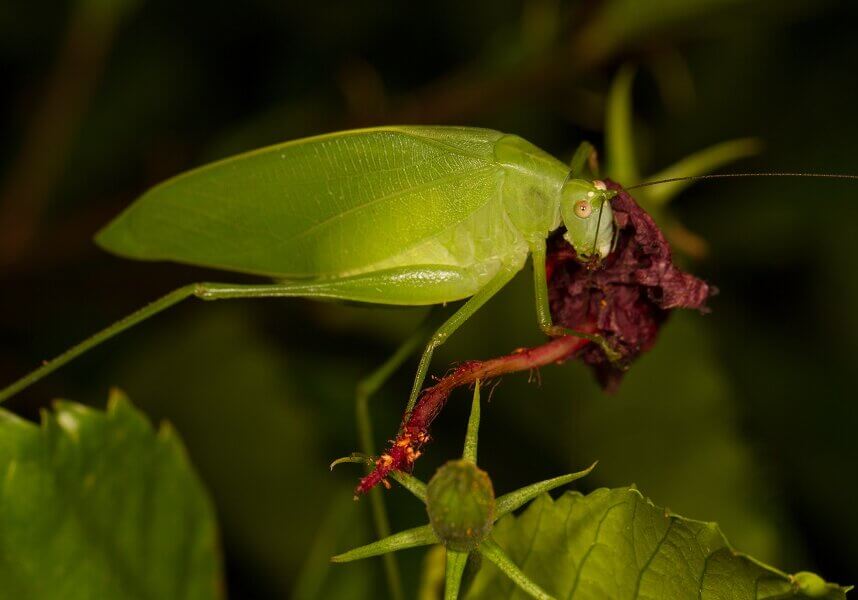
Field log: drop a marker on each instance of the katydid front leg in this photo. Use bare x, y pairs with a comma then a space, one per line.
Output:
543, 308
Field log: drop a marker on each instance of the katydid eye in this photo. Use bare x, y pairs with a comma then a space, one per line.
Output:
583, 209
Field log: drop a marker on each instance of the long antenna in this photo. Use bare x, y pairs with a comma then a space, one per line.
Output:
598, 226
730, 175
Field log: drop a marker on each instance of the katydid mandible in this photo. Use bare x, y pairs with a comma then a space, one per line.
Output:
389, 215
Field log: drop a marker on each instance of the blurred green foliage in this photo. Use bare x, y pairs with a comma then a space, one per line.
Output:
99, 505
742, 416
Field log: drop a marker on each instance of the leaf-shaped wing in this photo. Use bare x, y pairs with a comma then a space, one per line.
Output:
319, 206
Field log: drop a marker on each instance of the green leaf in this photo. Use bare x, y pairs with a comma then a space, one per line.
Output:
688, 446
614, 543
620, 144
621, 22
99, 505
700, 163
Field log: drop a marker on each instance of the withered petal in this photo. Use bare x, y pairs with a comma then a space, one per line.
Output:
628, 296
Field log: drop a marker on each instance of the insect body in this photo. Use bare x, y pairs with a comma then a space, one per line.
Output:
389, 215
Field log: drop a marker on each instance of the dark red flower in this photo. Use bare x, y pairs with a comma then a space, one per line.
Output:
628, 296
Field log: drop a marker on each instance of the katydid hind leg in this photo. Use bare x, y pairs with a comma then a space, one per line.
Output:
105, 334
404, 286
417, 285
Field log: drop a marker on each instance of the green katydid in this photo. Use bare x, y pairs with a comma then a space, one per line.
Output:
387, 215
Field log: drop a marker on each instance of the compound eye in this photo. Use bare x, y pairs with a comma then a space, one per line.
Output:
583, 209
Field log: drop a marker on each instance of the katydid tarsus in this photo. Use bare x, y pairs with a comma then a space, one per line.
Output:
388, 215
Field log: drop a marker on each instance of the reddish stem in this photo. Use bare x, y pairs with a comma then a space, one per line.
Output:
414, 431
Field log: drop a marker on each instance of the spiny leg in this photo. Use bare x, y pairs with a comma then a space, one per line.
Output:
142, 314
402, 454
465, 312
543, 308
205, 291
394, 286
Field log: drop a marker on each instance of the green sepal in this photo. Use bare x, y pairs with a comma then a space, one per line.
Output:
494, 554
472, 435
410, 538
513, 500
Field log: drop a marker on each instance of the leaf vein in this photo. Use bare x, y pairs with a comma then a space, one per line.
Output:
593, 544
652, 556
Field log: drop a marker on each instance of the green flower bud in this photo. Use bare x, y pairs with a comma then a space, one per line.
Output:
460, 501
811, 584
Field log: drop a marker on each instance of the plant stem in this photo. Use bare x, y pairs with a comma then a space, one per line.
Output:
414, 432
365, 390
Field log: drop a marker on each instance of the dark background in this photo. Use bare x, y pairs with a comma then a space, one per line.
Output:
745, 416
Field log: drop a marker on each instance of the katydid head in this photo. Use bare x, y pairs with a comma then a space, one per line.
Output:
586, 210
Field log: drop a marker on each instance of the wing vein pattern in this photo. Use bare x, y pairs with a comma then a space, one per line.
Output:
333, 205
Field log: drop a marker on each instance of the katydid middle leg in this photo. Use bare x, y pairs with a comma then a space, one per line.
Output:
456, 320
